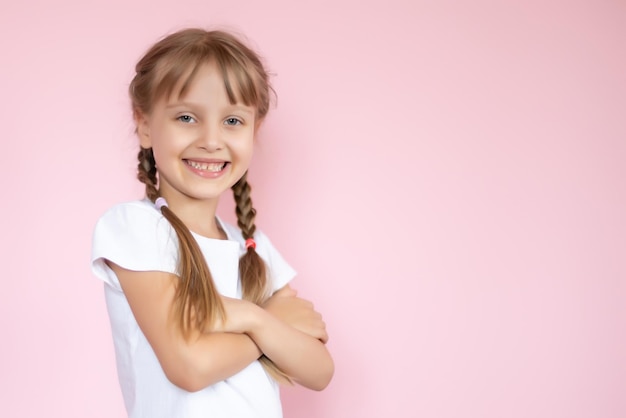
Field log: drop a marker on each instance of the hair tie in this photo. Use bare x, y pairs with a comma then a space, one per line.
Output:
160, 202
250, 243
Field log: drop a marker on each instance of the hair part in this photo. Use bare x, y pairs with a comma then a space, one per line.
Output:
168, 68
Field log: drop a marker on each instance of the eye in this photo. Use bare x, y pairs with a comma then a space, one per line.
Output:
233, 122
186, 119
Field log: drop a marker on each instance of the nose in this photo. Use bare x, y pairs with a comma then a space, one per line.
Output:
210, 137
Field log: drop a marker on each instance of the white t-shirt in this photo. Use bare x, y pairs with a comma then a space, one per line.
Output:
137, 237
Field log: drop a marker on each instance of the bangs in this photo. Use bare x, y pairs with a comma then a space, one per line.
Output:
178, 71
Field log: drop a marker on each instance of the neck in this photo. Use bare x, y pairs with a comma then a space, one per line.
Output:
197, 215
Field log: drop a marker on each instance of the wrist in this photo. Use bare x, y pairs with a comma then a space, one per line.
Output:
240, 316
257, 319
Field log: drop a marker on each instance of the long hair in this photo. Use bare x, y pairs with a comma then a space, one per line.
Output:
172, 64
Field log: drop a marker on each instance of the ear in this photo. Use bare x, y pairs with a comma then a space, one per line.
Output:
143, 129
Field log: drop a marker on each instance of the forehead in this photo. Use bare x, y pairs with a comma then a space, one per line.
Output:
206, 92
203, 76
176, 85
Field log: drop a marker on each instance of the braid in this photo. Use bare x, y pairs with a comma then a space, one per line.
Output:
197, 302
251, 266
147, 172
254, 286
245, 212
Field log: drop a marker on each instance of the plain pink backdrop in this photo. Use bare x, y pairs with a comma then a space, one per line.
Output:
447, 177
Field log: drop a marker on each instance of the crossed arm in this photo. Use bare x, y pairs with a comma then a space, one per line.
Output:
287, 330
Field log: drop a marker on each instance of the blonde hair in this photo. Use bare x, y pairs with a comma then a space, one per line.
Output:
172, 63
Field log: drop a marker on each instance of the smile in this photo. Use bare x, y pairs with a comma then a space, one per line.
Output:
208, 167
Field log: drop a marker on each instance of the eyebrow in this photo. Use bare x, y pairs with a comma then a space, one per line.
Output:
239, 107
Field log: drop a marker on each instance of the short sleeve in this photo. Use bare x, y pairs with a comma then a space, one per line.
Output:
280, 272
134, 236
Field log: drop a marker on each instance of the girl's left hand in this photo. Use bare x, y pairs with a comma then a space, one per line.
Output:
297, 312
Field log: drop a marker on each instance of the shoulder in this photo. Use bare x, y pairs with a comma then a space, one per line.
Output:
136, 236
134, 222
125, 220
128, 211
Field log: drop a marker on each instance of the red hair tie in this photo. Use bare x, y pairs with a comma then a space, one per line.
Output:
250, 243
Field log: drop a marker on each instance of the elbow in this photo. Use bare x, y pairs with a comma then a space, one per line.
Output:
189, 375
185, 379
319, 387
322, 378
190, 385
325, 379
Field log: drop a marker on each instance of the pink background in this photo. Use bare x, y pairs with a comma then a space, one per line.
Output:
447, 177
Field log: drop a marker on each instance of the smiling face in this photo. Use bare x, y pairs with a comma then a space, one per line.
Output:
202, 143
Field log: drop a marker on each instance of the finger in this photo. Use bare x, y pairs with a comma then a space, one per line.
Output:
323, 333
285, 291
306, 303
323, 336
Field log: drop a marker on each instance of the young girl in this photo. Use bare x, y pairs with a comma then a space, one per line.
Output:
204, 321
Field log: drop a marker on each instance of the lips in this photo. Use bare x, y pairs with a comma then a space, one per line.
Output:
211, 167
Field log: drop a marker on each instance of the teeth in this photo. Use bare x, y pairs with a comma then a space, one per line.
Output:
213, 167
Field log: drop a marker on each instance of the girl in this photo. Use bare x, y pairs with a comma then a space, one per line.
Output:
204, 321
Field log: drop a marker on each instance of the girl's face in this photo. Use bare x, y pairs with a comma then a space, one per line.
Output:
202, 143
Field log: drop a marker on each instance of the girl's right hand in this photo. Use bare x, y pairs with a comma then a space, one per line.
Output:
296, 312
239, 316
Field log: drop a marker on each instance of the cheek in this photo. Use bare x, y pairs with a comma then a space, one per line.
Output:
242, 157
243, 161
245, 149
169, 141
159, 149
